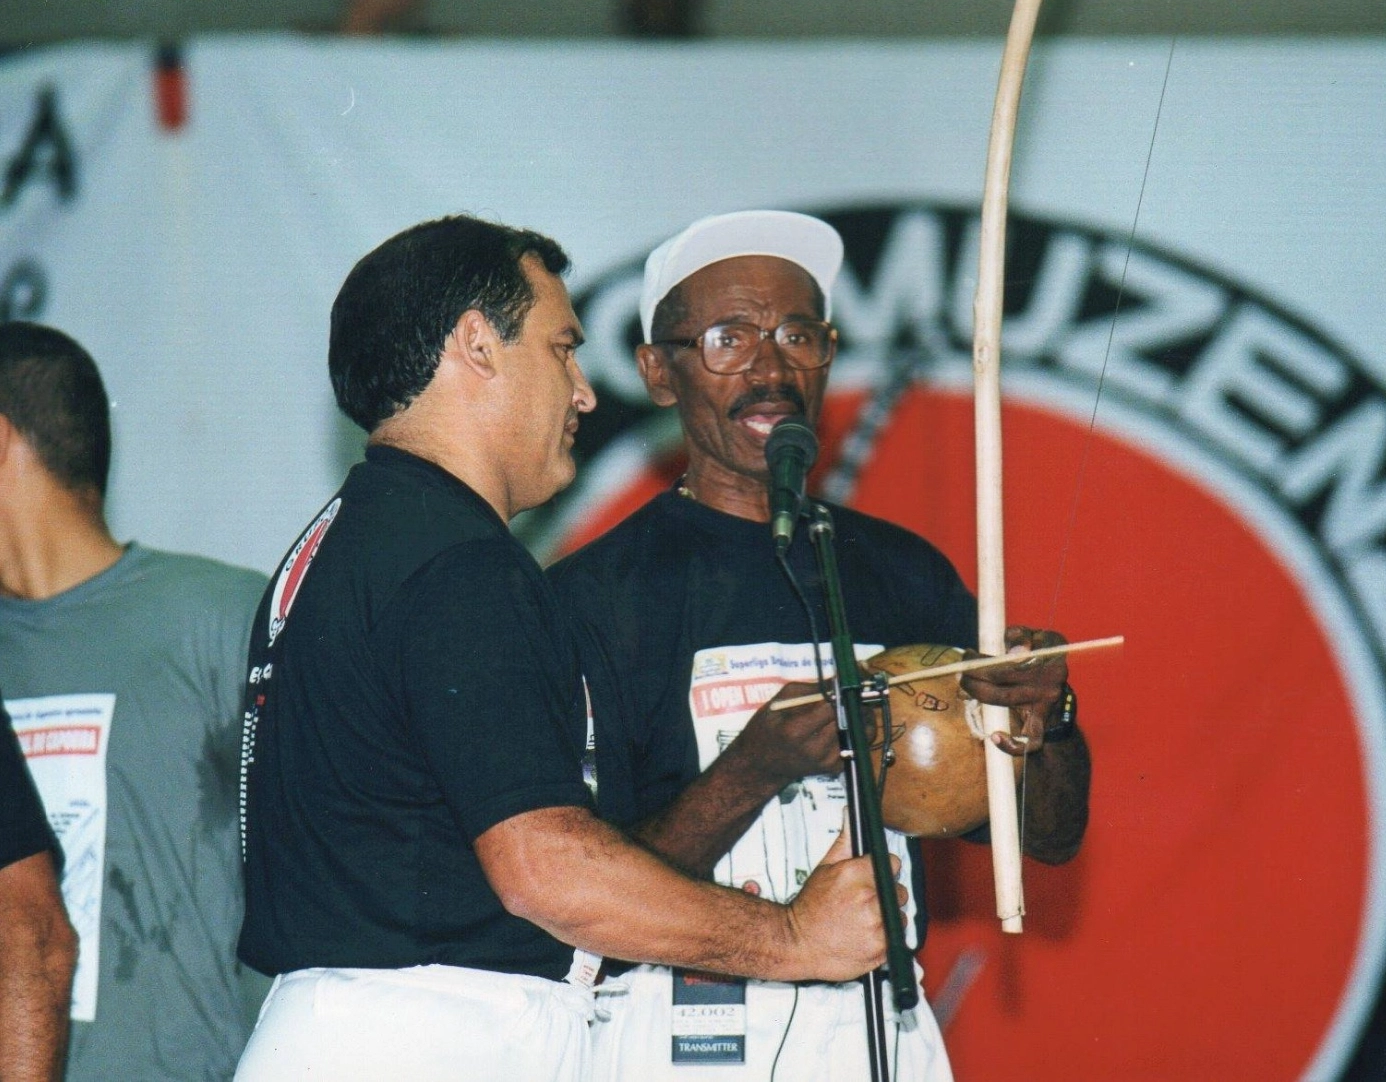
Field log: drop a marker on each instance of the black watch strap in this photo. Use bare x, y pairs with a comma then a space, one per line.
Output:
1064, 718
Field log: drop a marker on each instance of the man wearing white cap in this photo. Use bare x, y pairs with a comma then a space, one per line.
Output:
685, 623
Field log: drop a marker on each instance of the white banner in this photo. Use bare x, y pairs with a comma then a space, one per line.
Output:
199, 265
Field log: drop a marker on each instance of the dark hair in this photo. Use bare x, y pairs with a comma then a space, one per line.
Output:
400, 302
673, 308
52, 393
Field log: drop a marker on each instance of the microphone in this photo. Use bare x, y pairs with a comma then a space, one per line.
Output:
790, 453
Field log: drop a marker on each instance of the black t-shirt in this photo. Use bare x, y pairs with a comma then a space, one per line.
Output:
411, 685
676, 578
24, 828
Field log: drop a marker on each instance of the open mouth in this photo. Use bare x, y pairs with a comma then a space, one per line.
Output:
762, 423
759, 415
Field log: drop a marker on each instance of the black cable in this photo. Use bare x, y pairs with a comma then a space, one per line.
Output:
823, 688
826, 692
775, 1063
886, 732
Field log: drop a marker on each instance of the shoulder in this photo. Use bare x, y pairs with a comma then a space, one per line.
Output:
887, 540
647, 534
915, 593
196, 581
185, 609
480, 598
396, 522
482, 558
187, 567
483, 577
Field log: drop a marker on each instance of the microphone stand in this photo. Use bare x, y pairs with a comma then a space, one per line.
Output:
863, 802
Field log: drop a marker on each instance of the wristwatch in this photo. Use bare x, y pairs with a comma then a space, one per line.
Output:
1064, 717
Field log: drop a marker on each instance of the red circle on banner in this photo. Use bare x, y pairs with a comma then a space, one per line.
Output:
1209, 927
1207, 930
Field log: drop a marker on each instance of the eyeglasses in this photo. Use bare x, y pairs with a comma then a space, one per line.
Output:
730, 348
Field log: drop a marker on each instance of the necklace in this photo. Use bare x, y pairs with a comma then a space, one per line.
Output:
683, 490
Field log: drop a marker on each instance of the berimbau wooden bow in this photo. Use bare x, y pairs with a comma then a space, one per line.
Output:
986, 370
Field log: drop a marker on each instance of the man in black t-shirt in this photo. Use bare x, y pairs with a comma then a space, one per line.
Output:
38, 948
685, 622
421, 852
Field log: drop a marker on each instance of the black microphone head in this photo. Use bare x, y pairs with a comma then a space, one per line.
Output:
790, 434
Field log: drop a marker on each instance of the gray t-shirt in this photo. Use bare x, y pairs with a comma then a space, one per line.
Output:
125, 694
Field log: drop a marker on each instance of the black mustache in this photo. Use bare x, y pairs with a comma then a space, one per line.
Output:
761, 395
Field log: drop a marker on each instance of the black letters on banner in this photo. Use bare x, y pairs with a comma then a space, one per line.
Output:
23, 291
46, 154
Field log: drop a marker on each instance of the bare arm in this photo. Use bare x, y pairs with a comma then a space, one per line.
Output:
588, 885
1059, 772
1056, 799
775, 749
38, 951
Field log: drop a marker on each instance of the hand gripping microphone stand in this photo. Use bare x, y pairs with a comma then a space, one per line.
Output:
790, 453
863, 802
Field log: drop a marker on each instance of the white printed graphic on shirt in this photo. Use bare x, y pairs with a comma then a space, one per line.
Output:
776, 855
64, 738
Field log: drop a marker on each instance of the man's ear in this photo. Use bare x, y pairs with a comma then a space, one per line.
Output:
473, 343
654, 370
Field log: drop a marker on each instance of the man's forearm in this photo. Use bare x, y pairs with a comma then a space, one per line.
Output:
38, 951
702, 824
1056, 799
33, 1027
589, 885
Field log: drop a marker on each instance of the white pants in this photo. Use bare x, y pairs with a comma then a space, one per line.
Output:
425, 1024
823, 1041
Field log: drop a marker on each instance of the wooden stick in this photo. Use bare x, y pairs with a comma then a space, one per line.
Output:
986, 368
970, 665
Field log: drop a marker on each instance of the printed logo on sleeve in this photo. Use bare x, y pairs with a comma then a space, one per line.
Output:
295, 567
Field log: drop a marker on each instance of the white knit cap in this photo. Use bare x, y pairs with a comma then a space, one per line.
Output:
810, 242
